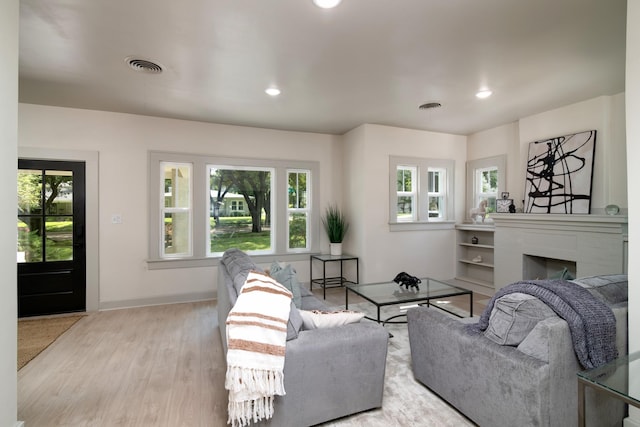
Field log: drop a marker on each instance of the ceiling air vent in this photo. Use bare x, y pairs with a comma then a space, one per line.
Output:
144, 65
430, 105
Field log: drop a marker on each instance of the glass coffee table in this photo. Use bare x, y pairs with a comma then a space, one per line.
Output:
619, 378
391, 293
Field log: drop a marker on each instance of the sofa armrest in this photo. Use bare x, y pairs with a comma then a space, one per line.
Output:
334, 372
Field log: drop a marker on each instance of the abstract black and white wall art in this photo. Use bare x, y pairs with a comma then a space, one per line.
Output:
559, 174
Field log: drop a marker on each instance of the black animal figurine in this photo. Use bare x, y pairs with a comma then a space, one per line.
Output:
407, 280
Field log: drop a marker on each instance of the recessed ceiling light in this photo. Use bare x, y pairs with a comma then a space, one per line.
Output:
485, 93
326, 4
273, 91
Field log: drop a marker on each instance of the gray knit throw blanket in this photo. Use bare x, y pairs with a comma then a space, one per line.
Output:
591, 322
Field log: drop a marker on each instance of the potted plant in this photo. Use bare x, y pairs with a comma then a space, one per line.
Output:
336, 225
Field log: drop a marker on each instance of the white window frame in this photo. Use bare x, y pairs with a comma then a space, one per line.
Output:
442, 212
171, 210
200, 256
473, 169
422, 220
306, 210
479, 194
274, 207
413, 194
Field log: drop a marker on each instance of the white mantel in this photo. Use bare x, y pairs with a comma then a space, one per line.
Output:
596, 243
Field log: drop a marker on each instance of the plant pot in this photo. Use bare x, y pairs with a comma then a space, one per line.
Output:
335, 248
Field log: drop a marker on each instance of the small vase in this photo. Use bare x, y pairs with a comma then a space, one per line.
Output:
335, 248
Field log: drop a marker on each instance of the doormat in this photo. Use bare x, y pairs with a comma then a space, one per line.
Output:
34, 335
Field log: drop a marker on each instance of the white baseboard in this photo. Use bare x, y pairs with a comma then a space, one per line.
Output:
20, 424
172, 299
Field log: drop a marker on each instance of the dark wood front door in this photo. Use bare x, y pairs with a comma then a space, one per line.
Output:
51, 237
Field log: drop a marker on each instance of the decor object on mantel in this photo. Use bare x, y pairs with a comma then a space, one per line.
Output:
336, 225
612, 209
559, 174
504, 205
480, 211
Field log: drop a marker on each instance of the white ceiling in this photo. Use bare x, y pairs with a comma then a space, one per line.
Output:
366, 61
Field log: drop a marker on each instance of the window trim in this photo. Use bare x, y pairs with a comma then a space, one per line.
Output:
308, 210
200, 207
485, 163
164, 210
413, 194
274, 210
423, 222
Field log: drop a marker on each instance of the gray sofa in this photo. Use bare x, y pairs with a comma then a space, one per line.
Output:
328, 373
531, 384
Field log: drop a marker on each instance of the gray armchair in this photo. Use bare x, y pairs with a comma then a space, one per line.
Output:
531, 384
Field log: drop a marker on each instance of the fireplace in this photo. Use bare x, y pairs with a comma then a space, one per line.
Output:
530, 246
537, 267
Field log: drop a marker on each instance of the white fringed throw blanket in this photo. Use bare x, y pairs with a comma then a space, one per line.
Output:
256, 339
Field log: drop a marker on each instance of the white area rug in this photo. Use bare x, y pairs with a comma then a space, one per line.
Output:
406, 402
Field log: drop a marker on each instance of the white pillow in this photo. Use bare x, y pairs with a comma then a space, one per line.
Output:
313, 319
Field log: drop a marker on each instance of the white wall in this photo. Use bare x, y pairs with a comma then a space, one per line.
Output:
8, 154
500, 140
123, 141
633, 158
384, 253
606, 114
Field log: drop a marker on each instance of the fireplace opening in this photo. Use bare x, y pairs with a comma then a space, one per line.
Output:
538, 268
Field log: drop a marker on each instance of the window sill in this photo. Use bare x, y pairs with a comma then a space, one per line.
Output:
164, 264
420, 226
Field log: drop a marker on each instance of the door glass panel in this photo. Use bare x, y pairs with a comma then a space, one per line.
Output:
29, 239
58, 192
29, 192
59, 243
45, 218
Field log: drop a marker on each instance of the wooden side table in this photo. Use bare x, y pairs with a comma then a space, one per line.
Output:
325, 281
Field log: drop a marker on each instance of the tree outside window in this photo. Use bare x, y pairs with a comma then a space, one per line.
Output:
406, 193
487, 187
486, 179
209, 204
229, 226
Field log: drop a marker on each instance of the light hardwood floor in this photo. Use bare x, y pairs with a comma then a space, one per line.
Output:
149, 366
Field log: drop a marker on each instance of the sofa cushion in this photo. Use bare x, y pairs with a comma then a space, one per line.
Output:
314, 319
295, 322
286, 276
611, 289
514, 316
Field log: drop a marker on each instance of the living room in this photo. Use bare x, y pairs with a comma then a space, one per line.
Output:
353, 170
